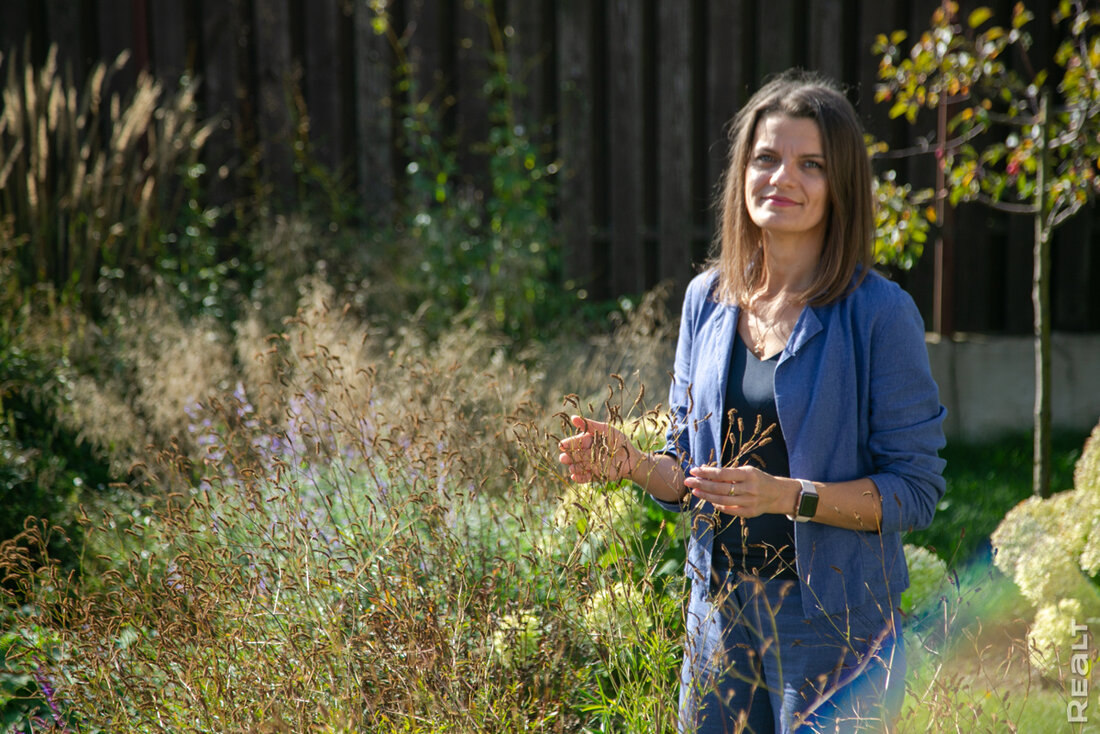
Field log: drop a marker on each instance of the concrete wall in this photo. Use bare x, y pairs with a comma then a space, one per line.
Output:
988, 383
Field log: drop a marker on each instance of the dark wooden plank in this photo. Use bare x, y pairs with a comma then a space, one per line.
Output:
728, 80
1070, 273
1092, 294
674, 143
65, 27
531, 23
374, 114
919, 170
974, 295
271, 35
471, 72
323, 69
116, 34
826, 37
15, 26
139, 33
425, 46
222, 26
574, 139
881, 16
1018, 268
168, 46
625, 116
776, 26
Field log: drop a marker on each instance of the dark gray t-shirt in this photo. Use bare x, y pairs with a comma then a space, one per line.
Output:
763, 545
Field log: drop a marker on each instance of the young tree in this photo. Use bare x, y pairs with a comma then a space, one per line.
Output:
1022, 140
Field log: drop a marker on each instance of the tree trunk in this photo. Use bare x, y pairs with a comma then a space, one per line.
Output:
1040, 299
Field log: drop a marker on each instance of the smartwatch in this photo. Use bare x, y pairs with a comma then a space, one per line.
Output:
807, 502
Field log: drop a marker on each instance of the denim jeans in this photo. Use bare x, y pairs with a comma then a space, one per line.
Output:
758, 665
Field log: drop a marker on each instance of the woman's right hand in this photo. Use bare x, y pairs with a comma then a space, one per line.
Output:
599, 453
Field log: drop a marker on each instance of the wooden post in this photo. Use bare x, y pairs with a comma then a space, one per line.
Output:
115, 33
15, 26
139, 33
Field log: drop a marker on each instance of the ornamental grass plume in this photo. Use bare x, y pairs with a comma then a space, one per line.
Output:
81, 201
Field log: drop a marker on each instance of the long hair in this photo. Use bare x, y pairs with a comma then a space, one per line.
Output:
849, 232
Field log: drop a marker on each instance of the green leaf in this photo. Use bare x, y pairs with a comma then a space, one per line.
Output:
979, 16
900, 108
1021, 16
994, 34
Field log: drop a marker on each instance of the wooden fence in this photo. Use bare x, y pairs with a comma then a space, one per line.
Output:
630, 95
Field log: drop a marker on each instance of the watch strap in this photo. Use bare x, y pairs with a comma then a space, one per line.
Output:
806, 506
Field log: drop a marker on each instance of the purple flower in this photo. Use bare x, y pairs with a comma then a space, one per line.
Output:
50, 695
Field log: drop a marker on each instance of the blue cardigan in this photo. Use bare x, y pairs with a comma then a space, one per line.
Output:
855, 398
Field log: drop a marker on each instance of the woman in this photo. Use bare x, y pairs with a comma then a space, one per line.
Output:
804, 436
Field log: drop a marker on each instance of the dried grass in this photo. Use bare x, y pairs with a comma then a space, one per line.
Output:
88, 180
345, 542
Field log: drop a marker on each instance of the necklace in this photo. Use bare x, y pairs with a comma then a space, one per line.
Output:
760, 329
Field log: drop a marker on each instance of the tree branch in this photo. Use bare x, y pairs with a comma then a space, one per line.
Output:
1006, 206
925, 146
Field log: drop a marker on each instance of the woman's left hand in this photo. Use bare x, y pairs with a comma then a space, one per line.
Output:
744, 491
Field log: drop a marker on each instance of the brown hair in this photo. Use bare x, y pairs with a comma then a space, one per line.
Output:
849, 231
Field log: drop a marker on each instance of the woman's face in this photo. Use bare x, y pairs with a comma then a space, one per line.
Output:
786, 190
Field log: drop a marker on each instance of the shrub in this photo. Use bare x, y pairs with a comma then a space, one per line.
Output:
46, 465
927, 579
1048, 548
479, 240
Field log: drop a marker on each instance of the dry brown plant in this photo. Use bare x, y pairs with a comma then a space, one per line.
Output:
87, 178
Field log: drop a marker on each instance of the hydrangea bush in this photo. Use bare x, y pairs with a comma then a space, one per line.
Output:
927, 578
1050, 548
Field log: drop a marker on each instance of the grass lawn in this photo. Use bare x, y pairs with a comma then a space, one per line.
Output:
985, 481
976, 678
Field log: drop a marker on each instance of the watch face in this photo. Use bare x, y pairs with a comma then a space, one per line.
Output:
807, 505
